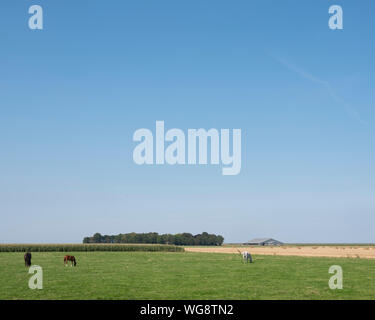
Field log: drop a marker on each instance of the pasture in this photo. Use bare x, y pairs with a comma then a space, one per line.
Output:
184, 275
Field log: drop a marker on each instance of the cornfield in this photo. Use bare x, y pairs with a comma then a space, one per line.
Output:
87, 247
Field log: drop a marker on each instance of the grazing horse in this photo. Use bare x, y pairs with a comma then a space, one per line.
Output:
246, 256
27, 258
72, 259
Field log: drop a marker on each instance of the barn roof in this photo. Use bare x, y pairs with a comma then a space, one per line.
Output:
259, 240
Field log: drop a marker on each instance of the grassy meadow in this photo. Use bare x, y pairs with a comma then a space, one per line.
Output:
183, 275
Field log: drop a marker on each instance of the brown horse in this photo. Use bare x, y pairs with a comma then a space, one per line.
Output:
27, 258
72, 259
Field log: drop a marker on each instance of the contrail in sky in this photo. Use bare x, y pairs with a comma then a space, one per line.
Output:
325, 84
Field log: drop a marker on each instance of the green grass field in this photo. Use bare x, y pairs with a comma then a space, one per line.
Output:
167, 275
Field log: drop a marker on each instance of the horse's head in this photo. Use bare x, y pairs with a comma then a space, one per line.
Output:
74, 261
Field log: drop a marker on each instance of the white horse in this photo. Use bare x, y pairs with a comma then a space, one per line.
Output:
246, 256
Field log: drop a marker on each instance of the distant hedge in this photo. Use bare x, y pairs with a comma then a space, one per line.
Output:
87, 247
202, 239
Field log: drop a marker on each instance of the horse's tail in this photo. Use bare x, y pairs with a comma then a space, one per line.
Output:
74, 260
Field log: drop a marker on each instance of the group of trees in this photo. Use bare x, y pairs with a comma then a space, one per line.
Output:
203, 239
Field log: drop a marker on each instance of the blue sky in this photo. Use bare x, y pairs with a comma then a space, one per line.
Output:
72, 95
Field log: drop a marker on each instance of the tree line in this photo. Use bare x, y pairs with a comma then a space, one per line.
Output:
203, 239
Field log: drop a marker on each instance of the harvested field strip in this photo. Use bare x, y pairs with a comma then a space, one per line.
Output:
305, 251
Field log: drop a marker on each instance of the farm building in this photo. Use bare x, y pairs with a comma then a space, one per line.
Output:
264, 242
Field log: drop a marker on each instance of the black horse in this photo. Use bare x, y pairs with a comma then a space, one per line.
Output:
27, 258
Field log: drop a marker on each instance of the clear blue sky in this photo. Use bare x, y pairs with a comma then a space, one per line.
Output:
72, 95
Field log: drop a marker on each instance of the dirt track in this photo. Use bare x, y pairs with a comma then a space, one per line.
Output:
306, 251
